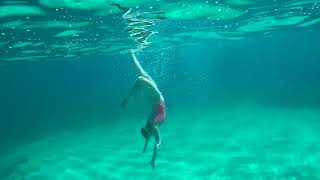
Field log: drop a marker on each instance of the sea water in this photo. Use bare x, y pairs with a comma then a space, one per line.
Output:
240, 79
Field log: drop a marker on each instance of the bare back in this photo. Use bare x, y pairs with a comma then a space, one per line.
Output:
151, 90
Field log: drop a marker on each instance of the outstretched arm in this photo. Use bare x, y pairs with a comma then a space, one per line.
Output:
157, 136
156, 146
145, 145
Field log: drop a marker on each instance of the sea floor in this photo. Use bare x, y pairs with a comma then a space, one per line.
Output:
212, 143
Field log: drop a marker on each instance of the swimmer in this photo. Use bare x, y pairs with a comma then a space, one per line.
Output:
158, 108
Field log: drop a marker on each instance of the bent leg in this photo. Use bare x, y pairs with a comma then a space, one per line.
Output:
136, 87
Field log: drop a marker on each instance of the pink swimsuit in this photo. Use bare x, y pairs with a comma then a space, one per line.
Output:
159, 113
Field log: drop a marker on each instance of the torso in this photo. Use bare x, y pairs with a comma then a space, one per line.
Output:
154, 94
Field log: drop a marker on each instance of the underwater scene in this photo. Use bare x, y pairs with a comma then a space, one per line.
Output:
159, 89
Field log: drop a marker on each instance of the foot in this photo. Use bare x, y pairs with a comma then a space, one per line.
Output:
132, 51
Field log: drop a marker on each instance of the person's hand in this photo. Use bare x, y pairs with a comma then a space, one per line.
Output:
153, 165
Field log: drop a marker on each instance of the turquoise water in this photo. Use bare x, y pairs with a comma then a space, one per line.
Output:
240, 79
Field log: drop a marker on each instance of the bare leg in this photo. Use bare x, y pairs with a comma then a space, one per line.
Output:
136, 63
137, 85
138, 66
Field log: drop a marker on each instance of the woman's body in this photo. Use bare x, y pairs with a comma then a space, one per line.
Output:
158, 110
136, 26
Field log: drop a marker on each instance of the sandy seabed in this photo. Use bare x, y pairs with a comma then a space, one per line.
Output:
225, 143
